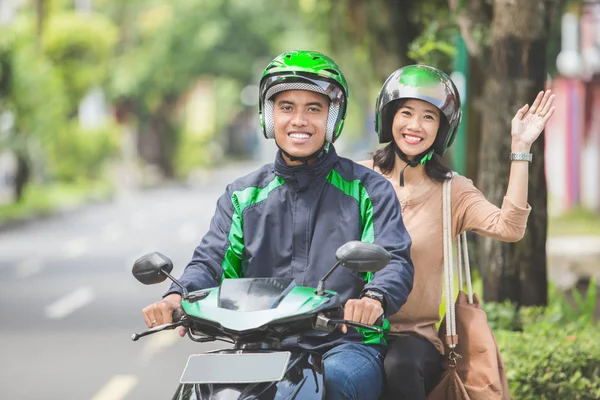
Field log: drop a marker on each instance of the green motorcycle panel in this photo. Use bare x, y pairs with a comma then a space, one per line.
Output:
300, 300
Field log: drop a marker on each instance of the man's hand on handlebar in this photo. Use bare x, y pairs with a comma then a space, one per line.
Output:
365, 311
161, 312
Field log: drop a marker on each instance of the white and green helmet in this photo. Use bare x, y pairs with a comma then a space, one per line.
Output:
425, 83
304, 70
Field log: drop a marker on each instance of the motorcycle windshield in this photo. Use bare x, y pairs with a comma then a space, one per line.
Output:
253, 294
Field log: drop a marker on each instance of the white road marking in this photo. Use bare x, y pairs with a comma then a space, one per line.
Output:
112, 232
76, 247
29, 267
71, 302
188, 233
116, 388
159, 341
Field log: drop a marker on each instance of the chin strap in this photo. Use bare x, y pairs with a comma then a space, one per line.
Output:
421, 159
316, 155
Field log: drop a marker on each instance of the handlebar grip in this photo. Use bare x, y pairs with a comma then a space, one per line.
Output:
379, 321
178, 315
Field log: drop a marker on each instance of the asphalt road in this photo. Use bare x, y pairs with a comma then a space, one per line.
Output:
69, 303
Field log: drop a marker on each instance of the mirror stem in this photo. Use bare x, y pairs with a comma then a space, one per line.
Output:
320, 289
175, 281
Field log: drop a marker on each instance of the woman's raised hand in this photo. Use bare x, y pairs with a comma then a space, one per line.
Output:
528, 123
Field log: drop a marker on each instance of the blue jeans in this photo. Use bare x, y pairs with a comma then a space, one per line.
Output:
353, 371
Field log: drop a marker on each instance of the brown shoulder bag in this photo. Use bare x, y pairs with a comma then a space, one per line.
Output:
473, 367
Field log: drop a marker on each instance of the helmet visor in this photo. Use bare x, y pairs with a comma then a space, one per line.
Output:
329, 88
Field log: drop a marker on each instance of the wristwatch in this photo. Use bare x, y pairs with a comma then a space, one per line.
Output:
521, 157
376, 295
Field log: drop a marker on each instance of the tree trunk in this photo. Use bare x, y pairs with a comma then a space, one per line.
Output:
380, 30
516, 73
22, 176
474, 18
392, 30
477, 77
157, 144
40, 12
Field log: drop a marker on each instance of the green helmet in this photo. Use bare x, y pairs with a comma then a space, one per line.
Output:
304, 70
425, 83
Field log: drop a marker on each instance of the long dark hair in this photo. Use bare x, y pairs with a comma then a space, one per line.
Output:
385, 158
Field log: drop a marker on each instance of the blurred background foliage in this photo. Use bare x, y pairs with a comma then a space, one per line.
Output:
147, 57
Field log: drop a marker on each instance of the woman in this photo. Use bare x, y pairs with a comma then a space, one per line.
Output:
418, 112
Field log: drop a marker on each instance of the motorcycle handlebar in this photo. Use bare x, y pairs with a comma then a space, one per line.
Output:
357, 325
156, 329
178, 314
323, 322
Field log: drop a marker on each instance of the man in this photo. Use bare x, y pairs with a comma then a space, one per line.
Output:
288, 218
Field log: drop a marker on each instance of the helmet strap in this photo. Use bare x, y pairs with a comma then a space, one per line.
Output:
421, 159
426, 157
304, 160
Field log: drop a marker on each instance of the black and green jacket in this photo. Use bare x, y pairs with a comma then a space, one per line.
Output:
283, 221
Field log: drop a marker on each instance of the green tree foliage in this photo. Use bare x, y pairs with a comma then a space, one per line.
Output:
167, 46
175, 43
77, 155
550, 352
34, 98
49, 62
551, 361
149, 54
81, 47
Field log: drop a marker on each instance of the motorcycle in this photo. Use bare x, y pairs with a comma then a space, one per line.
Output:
256, 315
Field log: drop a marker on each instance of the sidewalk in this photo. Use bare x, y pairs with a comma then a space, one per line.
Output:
224, 174
571, 258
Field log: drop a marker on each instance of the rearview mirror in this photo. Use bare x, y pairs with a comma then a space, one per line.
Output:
152, 268
358, 256
363, 257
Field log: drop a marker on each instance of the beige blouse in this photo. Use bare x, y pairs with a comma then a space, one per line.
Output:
423, 219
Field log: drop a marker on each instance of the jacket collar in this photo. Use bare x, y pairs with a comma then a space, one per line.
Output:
301, 176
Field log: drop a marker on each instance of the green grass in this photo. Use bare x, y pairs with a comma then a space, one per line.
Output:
576, 222
43, 200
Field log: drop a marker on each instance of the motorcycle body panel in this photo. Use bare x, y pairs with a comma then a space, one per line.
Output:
245, 304
303, 379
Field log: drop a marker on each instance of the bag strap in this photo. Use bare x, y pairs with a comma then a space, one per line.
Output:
463, 264
451, 338
466, 265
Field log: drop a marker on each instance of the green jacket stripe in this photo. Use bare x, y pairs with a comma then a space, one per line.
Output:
232, 261
356, 190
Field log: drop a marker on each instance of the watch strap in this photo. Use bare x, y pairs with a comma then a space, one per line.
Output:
523, 156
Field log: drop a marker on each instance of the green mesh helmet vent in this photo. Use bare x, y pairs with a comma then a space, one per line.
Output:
317, 73
425, 83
